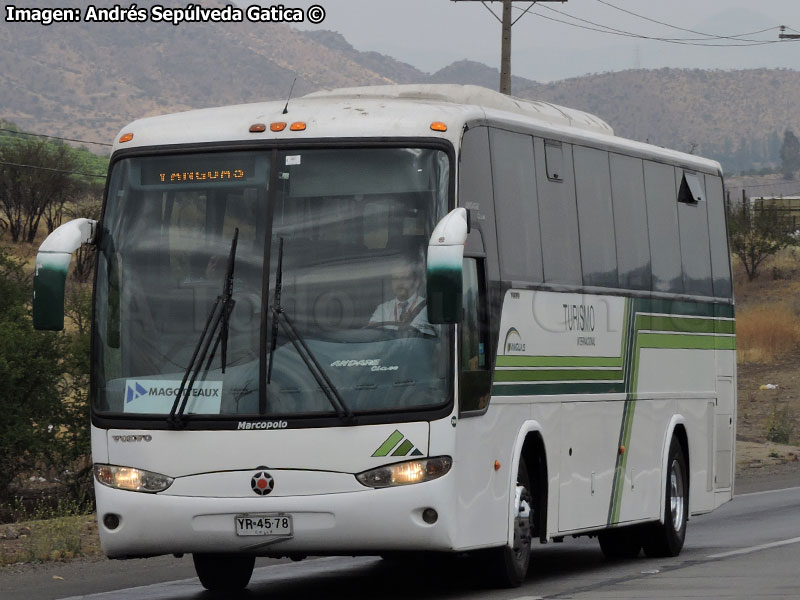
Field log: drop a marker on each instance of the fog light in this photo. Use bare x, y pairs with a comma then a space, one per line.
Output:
111, 521
430, 516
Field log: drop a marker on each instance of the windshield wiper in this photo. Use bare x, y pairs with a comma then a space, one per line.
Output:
280, 318
218, 319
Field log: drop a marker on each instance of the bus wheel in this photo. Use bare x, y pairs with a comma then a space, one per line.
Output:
224, 572
666, 539
625, 542
510, 563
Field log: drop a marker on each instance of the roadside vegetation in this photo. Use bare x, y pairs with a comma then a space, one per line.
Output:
768, 352
45, 470
48, 532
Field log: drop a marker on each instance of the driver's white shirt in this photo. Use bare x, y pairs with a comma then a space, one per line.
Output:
388, 314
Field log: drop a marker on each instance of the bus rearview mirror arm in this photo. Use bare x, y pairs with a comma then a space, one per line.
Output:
444, 271
50, 274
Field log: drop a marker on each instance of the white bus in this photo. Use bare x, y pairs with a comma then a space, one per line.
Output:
402, 319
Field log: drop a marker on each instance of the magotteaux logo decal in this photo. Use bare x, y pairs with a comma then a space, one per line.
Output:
134, 391
158, 395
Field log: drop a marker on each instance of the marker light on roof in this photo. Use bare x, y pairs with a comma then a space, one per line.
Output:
126, 137
258, 128
438, 126
298, 126
279, 126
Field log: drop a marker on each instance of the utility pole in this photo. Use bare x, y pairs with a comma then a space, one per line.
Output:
787, 36
507, 23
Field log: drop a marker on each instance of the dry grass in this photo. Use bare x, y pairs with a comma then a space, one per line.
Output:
44, 540
767, 331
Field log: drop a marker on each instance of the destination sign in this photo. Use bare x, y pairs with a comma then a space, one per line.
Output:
197, 170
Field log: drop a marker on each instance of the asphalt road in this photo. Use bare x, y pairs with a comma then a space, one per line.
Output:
749, 548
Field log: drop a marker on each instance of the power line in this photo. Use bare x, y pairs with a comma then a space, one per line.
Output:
738, 37
613, 31
11, 164
507, 22
54, 137
620, 32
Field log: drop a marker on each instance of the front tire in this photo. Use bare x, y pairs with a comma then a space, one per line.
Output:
666, 539
509, 564
224, 572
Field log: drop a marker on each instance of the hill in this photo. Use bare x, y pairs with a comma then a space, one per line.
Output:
736, 117
88, 79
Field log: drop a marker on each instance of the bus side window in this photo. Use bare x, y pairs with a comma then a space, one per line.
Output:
475, 376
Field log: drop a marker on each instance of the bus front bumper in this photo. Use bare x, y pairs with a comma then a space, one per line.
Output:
369, 521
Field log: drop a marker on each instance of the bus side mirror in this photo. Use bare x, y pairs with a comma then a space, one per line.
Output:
50, 275
444, 278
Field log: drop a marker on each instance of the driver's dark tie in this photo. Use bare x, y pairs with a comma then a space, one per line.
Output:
402, 307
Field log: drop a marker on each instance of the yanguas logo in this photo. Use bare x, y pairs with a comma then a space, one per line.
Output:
514, 342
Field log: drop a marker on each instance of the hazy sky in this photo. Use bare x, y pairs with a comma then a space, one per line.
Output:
431, 34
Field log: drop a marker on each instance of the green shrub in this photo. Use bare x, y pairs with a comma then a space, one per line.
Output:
780, 425
44, 425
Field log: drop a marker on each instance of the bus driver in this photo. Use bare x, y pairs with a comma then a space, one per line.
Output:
407, 308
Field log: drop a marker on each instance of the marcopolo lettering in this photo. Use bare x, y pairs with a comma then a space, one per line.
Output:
248, 425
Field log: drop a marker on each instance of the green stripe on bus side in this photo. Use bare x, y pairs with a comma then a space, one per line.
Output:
674, 341
628, 378
559, 361
691, 309
680, 337
683, 324
626, 333
559, 375
390, 443
622, 461
619, 468
555, 389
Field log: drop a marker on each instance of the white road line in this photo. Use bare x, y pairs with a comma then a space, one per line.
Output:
767, 492
188, 587
755, 548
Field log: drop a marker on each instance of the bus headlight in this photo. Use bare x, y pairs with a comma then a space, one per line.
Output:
134, 480
405, 473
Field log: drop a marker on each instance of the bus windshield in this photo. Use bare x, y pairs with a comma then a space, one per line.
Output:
351, 228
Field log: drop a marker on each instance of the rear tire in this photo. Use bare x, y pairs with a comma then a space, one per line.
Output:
509, 564
666, 539
224, 572
624, 542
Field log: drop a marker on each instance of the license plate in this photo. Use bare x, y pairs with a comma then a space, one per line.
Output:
263, 525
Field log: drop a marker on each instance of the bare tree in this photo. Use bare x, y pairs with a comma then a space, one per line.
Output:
33, 178
755, 235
